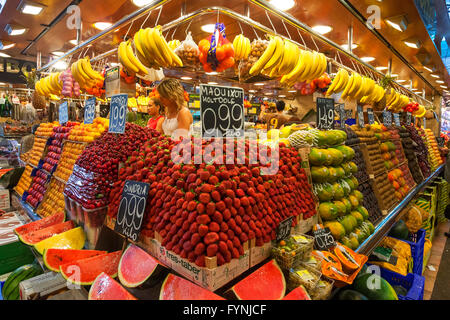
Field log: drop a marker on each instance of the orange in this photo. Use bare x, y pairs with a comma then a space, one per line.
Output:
220, 53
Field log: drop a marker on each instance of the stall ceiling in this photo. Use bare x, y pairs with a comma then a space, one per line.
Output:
311, 13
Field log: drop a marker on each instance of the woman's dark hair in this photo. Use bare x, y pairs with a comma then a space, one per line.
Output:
280, 105
157, 102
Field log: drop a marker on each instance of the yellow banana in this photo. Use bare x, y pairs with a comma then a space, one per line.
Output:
342, 83
277, 55
309, 60
237, 45
124, 60
348, 86
334, 83
298, 69
139, 49
134, 60
176, 61
265, 57
150, 48
87, 67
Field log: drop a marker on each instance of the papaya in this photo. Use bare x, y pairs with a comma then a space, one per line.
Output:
344, 254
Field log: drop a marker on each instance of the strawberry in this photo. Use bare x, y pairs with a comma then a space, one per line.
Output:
204, 198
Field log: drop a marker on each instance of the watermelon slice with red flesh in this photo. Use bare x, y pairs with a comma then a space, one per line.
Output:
106, 288
177, 288
84, 271
266, 283
34, 237
41, 224
54, 258
299, 293
136, 267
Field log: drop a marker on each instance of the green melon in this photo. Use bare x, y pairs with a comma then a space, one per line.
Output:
10, 290
348, 205
383, 292
358, 216
363, 211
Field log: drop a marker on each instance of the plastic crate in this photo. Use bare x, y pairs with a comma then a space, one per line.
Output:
1, 288
414, 283
416, 242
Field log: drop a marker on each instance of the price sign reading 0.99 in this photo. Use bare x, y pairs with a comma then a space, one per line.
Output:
397, 119
89, 110
370, 116
131, 209
222, 111
118, 113
387, 118
325, 113
360, 113
63, 113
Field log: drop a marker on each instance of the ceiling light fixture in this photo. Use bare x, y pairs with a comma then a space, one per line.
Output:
102, 25
252, 91
6, 45
394, 75
28, 7
439, 81
345, 46
434, 76
4, 55
444, 87
282, 96
213, 83
74, 42
399, 23
283, 5
186, 78
413, 43
401, 81
141, 3
60, 65
292, 91
367, 59
209, 28
268, 93
381, 68
57, 53
259, 84
322, 29
14, 30
212, 73
428, 69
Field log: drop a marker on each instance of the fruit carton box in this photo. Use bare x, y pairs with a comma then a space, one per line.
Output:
260, 253
211, 277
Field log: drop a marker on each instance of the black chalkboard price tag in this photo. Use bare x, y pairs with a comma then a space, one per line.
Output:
325, 113
342, 115
222, 111
408, 118
323, 239
396, 119
131, 209
370, 116
284, 229
360, 113
387, 118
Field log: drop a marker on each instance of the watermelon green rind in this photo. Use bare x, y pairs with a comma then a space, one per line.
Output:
139, 264
10, 289
104, 287
256, 278
385, 292
113, 258
185, 290
51, 254
56, 218
36, 236
351, 295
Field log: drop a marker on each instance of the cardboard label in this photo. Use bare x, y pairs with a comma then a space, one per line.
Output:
131, 209
387, 118
222, 111
284, 229
323, 239
360, 113
89, 110
370, 116
118, 113
63, 113
397, 119
325, 113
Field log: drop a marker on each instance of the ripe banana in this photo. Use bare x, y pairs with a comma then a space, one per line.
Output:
87, 67
309, 62
134, 60
298, 69
276, 57
124, 60
265, 57
348, 86
173, 44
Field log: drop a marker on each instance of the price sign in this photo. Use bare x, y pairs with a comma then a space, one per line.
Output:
63, 113
397, 119
342, 115
222, 111
323, 239
359, 110
118, 113
325, 113
131, 209
370, 116
408, 118
387, 118
89, 110
284, 229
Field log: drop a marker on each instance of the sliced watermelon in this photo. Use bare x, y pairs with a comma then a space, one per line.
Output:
266, 283
106, 288
136, 267
71, 239
41, 224
299, 293
34, 237
84, 271
54, 258
177, 288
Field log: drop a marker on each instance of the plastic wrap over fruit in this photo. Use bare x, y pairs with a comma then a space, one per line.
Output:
258, 47
188, 51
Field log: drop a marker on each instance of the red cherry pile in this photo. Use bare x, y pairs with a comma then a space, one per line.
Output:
209, 210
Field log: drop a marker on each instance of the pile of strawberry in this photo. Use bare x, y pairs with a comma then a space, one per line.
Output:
97, 167
209, 210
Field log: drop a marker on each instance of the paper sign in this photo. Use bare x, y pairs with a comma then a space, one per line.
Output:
63, 113
89, 110
118, 113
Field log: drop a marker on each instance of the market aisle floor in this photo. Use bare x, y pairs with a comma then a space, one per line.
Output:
438, 258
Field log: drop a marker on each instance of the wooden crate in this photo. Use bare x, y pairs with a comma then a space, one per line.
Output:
372, 170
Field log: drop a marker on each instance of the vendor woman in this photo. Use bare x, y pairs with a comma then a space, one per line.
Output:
178, 119
155, 110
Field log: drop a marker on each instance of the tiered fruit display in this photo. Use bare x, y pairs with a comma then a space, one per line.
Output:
53, 155
36, 153
212, 210
420, 150
434, 155
53, 200
385, 191
25, 180
97, 167
397, 178
371, 146
45, 129
409, 150
70, 153
37, 188
388, 154
370, 201
89, 132
353, 142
